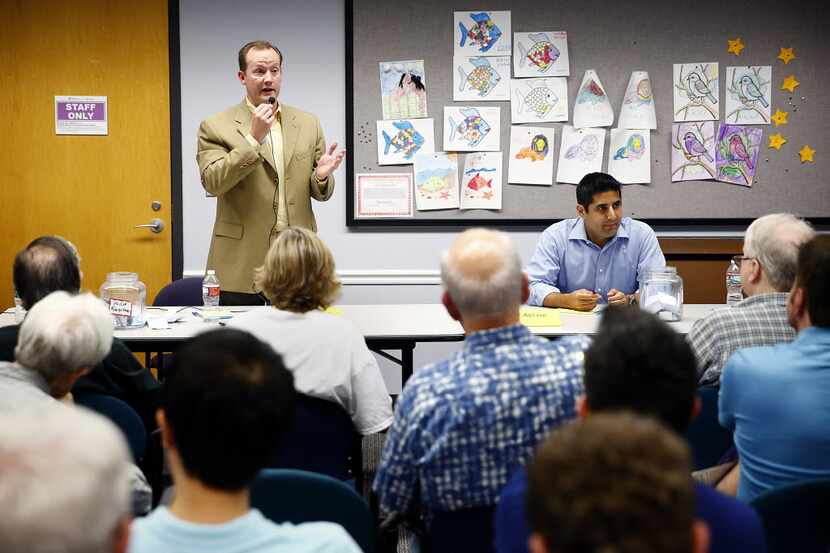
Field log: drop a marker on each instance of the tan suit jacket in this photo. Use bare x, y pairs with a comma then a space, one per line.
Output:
244, 180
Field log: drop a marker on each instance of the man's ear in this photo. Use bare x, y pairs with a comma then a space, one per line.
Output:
166, 432
525, 288
756, 272
697, 406
450, 306
581, 211
536, 543
582, 407
121, 536
241, 76
700, 536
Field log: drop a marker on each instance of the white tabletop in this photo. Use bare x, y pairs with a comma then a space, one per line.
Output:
416, 322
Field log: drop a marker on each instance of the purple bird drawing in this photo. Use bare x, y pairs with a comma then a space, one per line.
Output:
737, 150
694, 148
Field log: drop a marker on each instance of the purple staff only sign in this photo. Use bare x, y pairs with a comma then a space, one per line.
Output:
81, 115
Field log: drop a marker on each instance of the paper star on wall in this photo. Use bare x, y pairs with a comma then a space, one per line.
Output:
779, 117
790, 83
786, 55
776, 141
735, 46
806, 154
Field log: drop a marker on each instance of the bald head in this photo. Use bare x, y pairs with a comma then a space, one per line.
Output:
47, 264
773, 240
482, 273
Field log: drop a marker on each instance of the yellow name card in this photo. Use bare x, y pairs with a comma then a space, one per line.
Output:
539, 316
332, 310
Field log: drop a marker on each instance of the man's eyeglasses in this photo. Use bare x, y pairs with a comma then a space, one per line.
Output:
739, 258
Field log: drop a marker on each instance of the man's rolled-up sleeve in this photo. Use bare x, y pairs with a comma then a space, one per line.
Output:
543, 270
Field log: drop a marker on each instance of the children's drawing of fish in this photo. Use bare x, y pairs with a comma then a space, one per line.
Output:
479, 183
472, 129
542, 53
633, 149
407, 140
591, 93
483, 32
483, 78
585, 149
433, 184
539, 101
537, 151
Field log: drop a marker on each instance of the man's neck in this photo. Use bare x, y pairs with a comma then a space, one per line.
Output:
598, 241
197, 503
489, 322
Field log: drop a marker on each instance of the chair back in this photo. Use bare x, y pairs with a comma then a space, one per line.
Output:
321, 439
796, 517
122, 415
707, 438
185, 291
462, 530
297, 496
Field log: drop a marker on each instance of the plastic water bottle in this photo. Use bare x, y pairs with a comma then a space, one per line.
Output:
733, 284
210, 289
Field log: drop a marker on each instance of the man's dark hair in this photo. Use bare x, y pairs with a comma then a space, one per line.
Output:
46, 265
613, 482
637, 362
256, 45
593, 184
228, 401
813, 275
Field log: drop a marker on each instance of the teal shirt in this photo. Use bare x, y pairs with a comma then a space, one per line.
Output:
777, 401
162, 532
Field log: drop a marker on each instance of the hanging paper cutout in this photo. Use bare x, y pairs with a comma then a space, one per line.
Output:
693, 151
481, 78
629, 156
592, 108
696, 92
542, 54
403, 89
471, 129
531, 155
637, 110
737, 153
538, 100
749, 95
399, 141
481, 181
580, 153
485, 33
436, 181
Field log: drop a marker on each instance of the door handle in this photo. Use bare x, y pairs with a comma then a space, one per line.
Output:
156, 225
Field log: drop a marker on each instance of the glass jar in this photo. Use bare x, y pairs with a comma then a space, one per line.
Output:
661, 292
125, 297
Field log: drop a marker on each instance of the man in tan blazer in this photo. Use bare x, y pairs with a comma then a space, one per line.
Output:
263, 161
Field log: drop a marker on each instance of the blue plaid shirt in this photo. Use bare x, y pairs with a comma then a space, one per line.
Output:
463, 425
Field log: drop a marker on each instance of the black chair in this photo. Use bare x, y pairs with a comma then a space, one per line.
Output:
796, 517
462, 530
185, 291
122, 415
707, 438
321, 439
285, 495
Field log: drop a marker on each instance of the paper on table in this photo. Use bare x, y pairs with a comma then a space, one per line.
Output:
334, 310
539, 316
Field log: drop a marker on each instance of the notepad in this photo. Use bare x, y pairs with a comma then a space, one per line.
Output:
539, 316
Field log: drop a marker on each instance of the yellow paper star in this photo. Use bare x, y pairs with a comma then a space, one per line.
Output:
779, 117
786, 55
790, 83
776, 141
806, 154
735, 46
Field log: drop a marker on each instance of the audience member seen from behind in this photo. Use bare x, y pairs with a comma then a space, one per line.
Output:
225, 405
49, 264
776, 399
463, 424
64, 483
638, 363
615, 482
768, 266
326, 353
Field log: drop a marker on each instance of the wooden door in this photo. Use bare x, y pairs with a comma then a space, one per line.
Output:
93, 190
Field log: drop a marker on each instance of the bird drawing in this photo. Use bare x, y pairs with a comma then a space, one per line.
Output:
750, 90
737, 150
696, 88
694, 148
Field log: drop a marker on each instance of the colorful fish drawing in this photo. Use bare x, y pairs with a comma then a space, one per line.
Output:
633, 149
540, 101
407, 140
483, 32
585, 149
643, 93
542, 53
433, 184
537, 151
591, 93
483, 78
472, 129
479, 183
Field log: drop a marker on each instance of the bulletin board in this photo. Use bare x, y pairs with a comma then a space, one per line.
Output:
614, 38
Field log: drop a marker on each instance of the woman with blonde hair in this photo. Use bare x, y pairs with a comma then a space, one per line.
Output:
326, 353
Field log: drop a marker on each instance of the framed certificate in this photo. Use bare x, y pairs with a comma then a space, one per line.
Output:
383, 195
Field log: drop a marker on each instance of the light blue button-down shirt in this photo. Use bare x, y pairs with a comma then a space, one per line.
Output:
566, 260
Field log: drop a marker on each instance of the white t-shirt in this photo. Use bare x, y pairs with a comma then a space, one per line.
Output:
329, 359
162, 532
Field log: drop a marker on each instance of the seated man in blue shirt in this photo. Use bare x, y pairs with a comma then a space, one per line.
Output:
638, 363
598, 257
777, 398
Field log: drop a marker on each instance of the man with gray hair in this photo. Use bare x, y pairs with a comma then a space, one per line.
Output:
463, 425
768, 267
64, 483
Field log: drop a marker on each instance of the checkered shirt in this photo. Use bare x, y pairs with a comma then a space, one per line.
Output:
759, 320
463, 425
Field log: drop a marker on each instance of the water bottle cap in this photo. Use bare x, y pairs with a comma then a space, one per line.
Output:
211, 272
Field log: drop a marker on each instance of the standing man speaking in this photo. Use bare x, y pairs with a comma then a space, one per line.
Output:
263, 161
